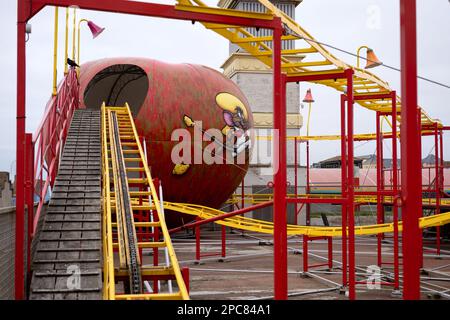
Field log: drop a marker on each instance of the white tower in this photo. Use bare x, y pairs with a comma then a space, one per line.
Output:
255, 80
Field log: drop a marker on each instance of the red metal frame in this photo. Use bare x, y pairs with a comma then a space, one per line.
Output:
410, 142
280, 178
344, 174
411, 191
26, 10
49, 138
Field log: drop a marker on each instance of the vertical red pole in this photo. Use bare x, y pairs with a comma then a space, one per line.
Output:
437, 186
441, 171
411, 153
379, 177
224, 242
420, 240
350, 187
296, 178
308, 206
279, 205
20, 151
441, 185
243, 193
308, 213
197, 243
30, 196
441, 151
305, 253
330, 253
395, 190
344, 179
186, 278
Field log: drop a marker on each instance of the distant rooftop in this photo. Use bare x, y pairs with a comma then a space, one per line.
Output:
231, 4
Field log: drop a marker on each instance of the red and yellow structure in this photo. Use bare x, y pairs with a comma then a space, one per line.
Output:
356, 86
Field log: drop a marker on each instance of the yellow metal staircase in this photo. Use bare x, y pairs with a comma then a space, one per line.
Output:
127, 185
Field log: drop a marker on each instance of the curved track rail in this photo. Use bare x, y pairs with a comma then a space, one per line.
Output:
249, 224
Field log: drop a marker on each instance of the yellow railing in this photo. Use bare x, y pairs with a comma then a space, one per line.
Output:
254, 225
125, 120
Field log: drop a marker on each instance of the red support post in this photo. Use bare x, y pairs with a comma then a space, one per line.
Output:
296, 178
330, 253
29, 196
437, 188
411, 190
279, 203
395, 191
305, 252
20, 152
350, 186
308, 190
197, 244
224, 242
344, 179
380, 187
186, 278
305, 238
243, 193
441, 155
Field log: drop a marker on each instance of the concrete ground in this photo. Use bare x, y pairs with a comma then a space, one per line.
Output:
247, 270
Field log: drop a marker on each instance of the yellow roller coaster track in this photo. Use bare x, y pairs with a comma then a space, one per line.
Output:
316, 59
123, 158
256, 198
249, 224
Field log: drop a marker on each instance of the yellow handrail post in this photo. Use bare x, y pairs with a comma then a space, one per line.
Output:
74, 32
66, 48
55, 53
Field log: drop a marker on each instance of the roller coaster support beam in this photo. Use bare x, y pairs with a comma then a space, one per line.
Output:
29, 185
221, 217
20, 151
280, 178
380, 183
411, 191
344, 179
347, 173
29, 8
219, 16
437, 185
395, 191
350, 187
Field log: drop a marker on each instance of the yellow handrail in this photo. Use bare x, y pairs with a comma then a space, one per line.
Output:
168, 241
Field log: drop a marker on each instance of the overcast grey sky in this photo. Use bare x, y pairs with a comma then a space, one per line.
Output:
346, 24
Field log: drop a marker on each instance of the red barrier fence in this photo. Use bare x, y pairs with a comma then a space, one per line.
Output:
48, 141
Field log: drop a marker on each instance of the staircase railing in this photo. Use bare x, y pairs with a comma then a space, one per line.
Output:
47, 143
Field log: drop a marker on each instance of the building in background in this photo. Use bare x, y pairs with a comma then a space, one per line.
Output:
255, 80
6, 190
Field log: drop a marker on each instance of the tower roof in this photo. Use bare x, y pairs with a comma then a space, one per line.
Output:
231, 4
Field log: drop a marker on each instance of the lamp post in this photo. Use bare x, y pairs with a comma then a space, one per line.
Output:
95, 30
308, 99
371, 58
